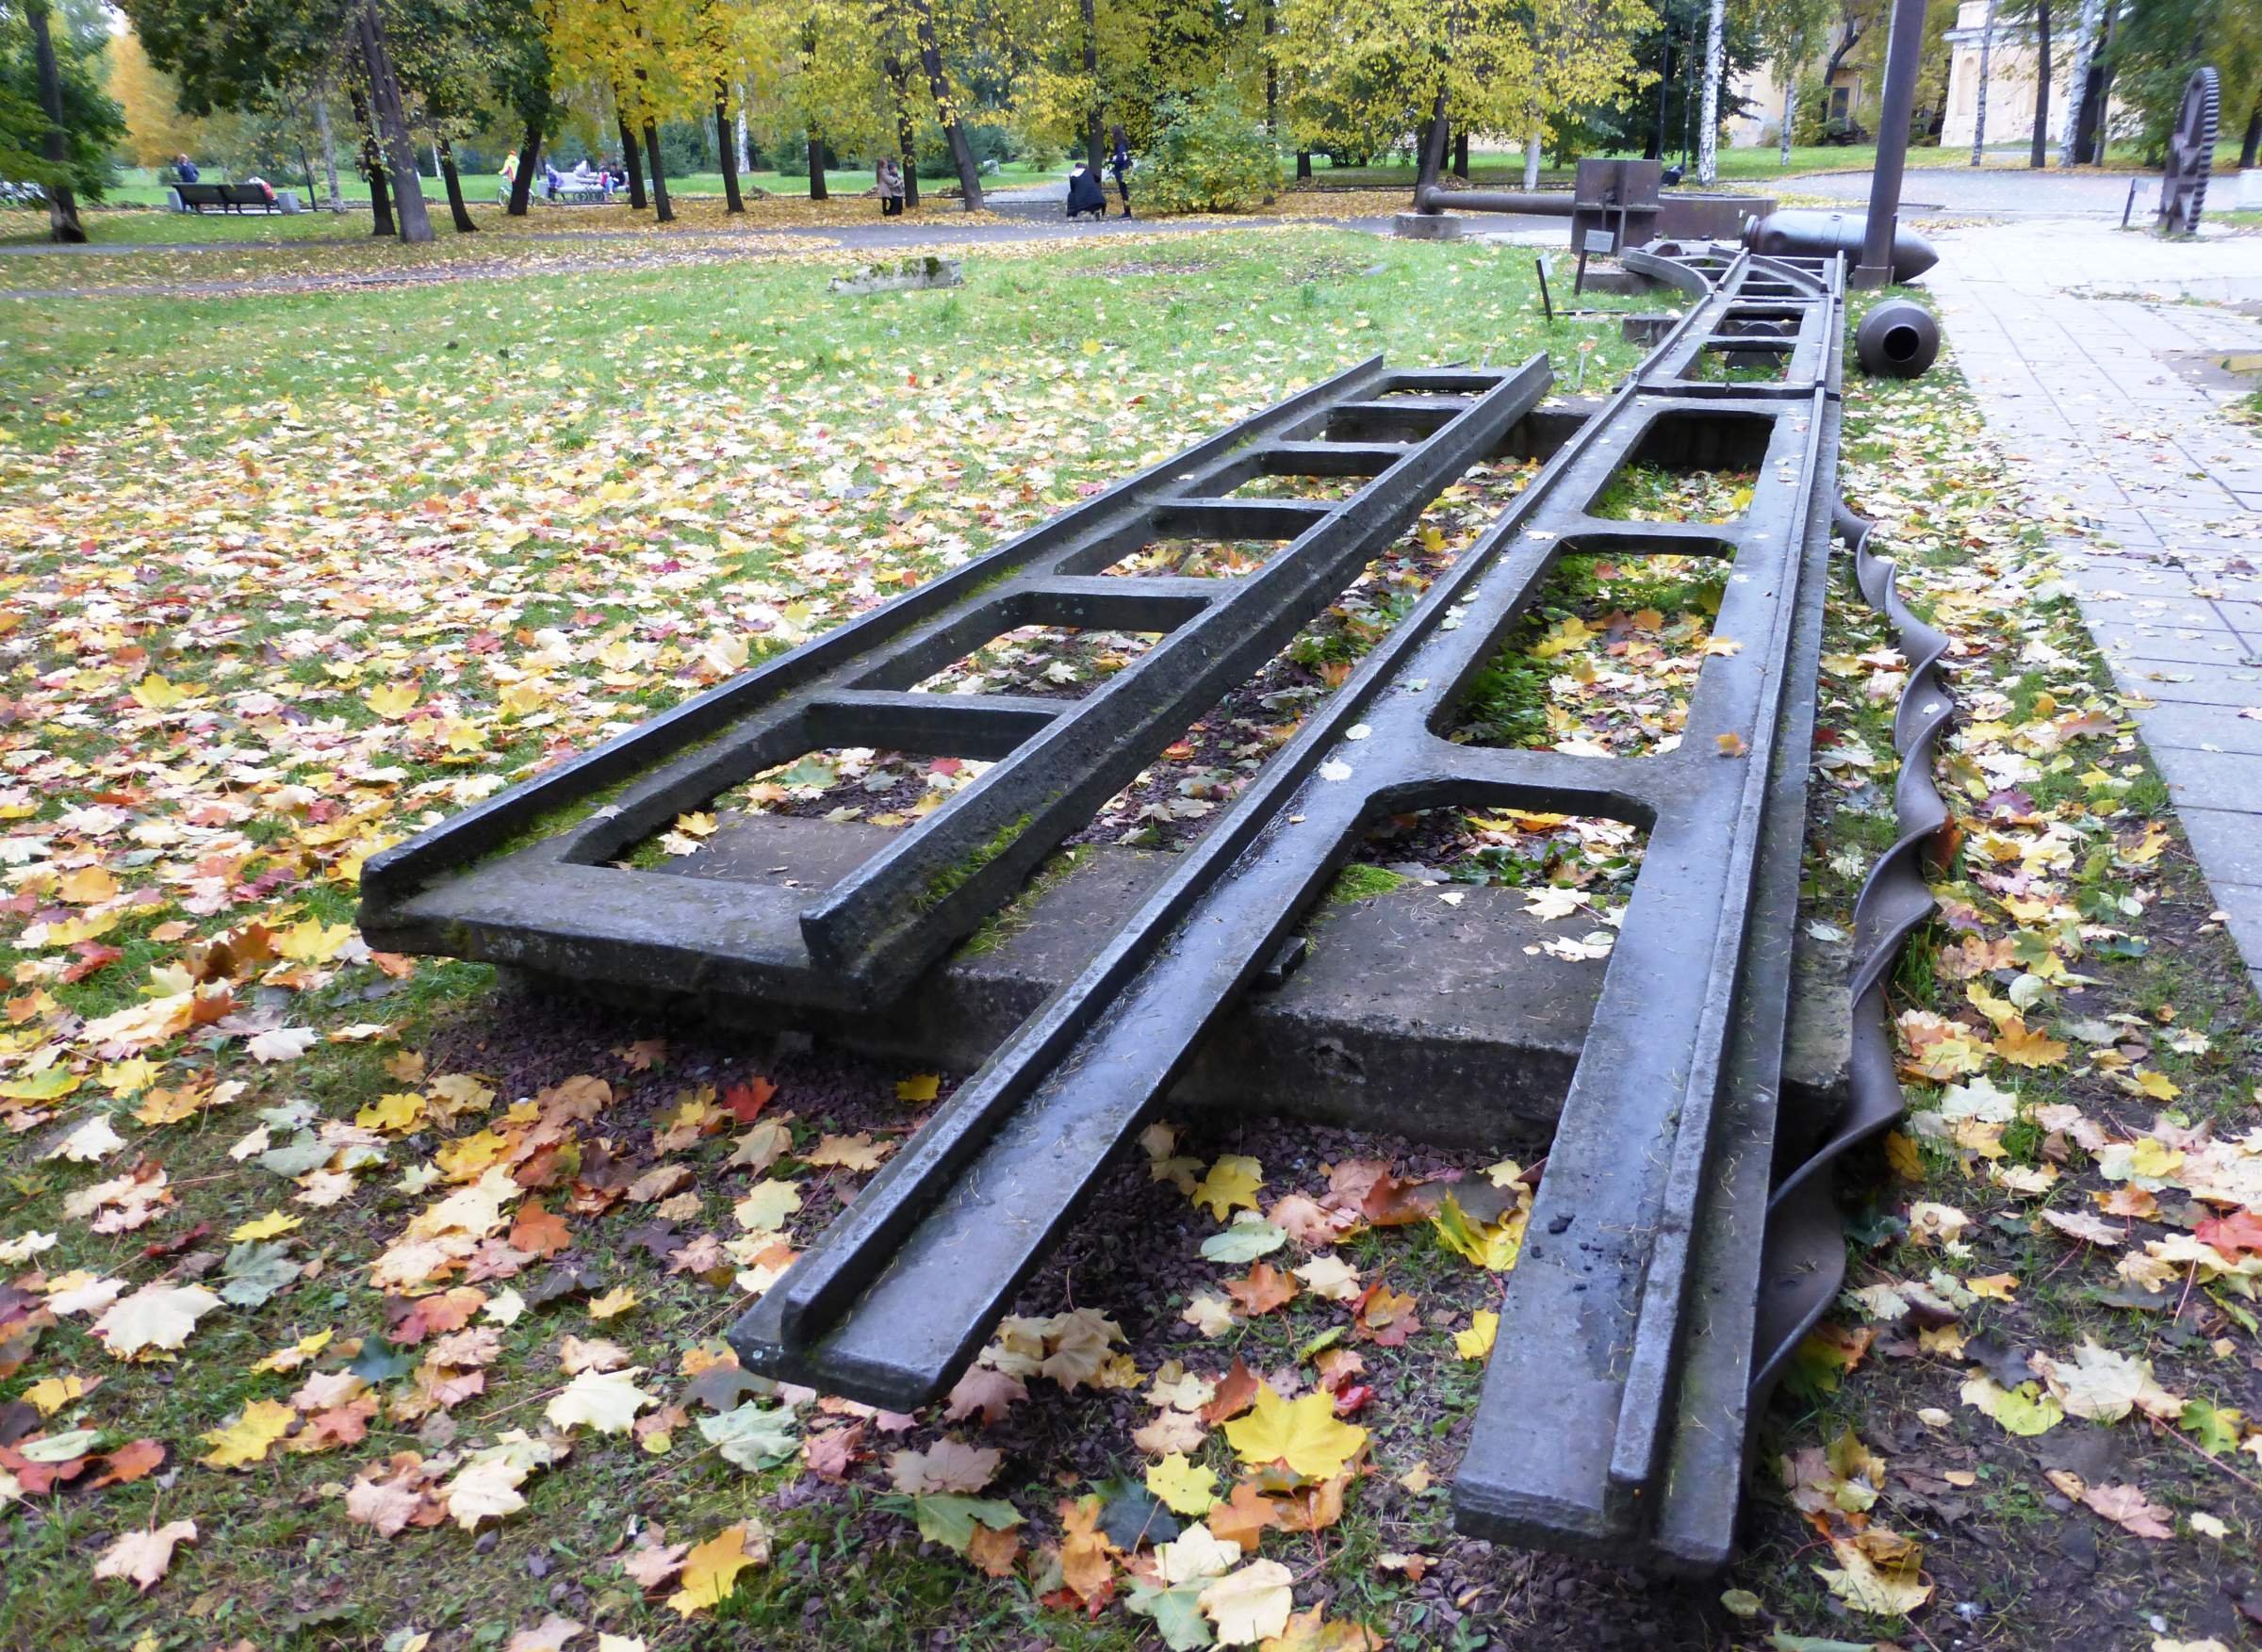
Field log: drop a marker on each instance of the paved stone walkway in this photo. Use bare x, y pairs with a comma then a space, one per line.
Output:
2087, 346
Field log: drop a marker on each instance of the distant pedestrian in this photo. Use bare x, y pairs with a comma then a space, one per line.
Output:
888, 173
1085, 194
551, 182
510, 165
184, 170
1120, 164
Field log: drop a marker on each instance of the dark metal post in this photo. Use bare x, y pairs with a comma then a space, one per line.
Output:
1547, 302
1905, 46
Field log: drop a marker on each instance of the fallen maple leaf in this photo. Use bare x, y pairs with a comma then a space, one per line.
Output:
710, 1574
1304, 1433
1251, 1604
948, 1466
156, 1317
144, 1556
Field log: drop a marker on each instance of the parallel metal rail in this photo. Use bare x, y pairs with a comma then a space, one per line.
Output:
558, 904
1613, 1416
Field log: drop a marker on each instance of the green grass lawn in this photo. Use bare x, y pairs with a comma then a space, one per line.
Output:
138, 186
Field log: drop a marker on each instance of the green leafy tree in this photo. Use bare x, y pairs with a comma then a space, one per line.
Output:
2157, 43
58, 125
1207, 155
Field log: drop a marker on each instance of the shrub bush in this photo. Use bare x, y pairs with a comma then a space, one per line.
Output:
1207, 156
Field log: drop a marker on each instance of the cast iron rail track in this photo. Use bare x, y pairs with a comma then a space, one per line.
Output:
559, 903
1613, 1411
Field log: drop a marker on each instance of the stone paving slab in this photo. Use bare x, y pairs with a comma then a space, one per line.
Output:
2085, 347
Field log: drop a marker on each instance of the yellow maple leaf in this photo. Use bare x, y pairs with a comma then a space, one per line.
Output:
2021, 1047
1476, 1342
312, 941
1231, 1184
52, 1394
152, 693
400, 1112
248, 1439
710, 1575
612, 1303
921, 1088
87, 886
266, 1227
393, 699
1305, 1434
1185, 1488
297, 1354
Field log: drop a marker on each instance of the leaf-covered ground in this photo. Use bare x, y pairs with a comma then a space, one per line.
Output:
347, 1299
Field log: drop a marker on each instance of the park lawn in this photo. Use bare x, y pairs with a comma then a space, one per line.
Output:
274, 607
138, 186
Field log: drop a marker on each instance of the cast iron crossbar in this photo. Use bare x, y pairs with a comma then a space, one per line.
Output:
1612, 1417
560, 905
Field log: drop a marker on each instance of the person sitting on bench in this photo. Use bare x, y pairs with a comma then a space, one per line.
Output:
1085, 194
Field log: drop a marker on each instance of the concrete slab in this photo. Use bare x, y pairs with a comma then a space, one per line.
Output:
1400, 1000
2227, 842
2088, 351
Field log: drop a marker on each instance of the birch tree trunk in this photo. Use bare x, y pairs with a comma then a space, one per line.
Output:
2085, 45
1789, 118
1986, 55
1531, 136
2039, 151
1708, 137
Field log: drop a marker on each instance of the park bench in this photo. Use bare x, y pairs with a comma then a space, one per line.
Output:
570, 193
231, 198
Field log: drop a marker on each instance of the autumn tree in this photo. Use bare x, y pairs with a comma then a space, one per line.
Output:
2157, 43
1790, 32
257, 54
56, 124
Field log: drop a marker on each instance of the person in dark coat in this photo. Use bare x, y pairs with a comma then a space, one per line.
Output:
1085, 194
184, 169
1120, 164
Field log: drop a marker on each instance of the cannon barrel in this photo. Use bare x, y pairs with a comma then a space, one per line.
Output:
1537, 203
1805, 233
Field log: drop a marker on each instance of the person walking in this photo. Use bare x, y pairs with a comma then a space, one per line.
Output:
1120, 164
888, 173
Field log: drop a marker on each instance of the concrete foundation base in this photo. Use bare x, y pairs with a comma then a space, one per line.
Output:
1427, 226
1401, 1013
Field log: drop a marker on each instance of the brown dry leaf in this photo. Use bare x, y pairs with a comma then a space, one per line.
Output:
1264, 1289
1087, 1567
144, 1556
651, 1565
947, 1466
849, 1152
990, 1391
1237, 1393
2127, 1506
